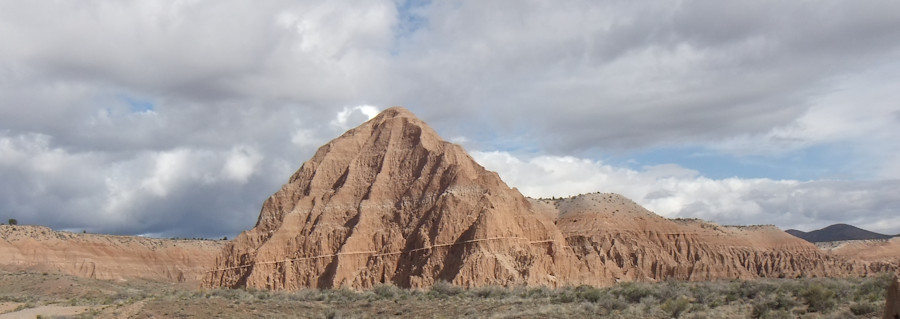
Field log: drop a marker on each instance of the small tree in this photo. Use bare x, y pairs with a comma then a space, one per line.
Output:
13, 221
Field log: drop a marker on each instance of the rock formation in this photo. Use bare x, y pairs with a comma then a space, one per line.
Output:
892, 304
874, 250
391, 202
39, 248
616, 237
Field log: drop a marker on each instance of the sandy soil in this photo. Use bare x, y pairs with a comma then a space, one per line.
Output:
45, 311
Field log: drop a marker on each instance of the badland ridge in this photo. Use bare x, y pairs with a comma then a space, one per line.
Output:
390, 202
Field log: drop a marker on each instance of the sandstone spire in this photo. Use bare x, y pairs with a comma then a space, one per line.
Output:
391, 202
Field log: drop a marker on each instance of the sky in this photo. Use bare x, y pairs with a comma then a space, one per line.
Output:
178, 118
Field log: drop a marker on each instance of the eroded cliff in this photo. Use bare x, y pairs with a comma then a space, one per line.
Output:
39, 248
391, 202
616, 237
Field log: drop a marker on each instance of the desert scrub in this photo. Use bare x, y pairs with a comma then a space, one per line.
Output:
494, 292
819, 298
676, 307
632, 292
762, 298
443, 289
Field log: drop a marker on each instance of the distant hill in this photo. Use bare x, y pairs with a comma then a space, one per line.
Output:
837, 232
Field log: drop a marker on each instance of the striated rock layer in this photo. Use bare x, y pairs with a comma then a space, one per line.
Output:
616, 237
391, 202
873, 250
39, 248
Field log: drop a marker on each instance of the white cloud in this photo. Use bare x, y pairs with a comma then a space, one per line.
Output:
350, 116
241, 163
672, 191
241, 93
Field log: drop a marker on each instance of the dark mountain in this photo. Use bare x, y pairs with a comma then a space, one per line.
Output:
837, 232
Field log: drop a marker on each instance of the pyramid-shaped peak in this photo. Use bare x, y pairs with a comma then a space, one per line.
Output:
391, 202
396, 111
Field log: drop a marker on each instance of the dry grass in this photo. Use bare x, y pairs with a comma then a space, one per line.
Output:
765, 298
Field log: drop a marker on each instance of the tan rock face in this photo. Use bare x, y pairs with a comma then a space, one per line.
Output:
39, 248
883, 250
616, 237
390, 202
892, 305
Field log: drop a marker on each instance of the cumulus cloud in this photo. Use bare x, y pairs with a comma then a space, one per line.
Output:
343, 119
673, 191
143, 117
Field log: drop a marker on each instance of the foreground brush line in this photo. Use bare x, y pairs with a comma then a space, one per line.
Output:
761, 298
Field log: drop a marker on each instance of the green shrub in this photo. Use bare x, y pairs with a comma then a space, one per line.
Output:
490, 292
676, 307
341, 295
610, 304
442, 289
819, 298
589, 293
751, 289
872, 289
773, 306
864, 308
632, 292
565, 296
386, 291
538, 292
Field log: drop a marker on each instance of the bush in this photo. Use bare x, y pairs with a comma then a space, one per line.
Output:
751, 289
632, 292
864, 308
589, 293
611, 304
386, 291
490, 292
443, 289
676, 307
819, 298
872, 289
13, 222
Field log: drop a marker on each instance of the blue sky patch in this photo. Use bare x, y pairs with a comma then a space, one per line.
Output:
138, 105
827, 161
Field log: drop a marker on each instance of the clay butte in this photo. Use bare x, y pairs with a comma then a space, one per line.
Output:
390, 202
39, 248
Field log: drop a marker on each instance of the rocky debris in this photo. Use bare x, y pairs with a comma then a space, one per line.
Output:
391, 202
892, 304
40, 248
